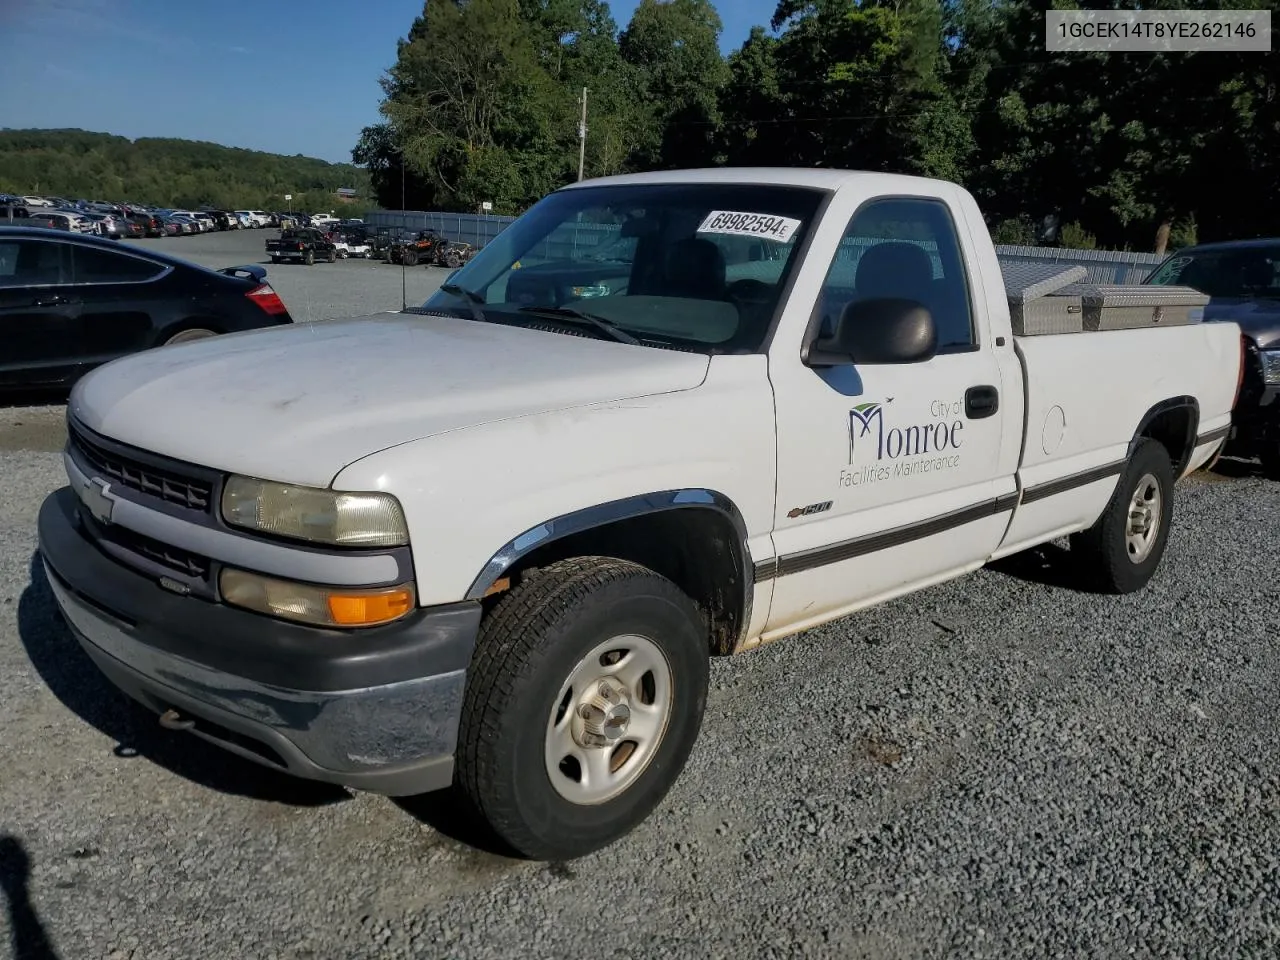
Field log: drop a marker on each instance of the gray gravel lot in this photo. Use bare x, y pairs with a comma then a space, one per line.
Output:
997, 767
348, 288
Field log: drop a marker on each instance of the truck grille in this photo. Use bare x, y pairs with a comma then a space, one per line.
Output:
164, 484
180, 561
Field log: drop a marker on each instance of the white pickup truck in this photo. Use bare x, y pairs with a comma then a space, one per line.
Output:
492, 543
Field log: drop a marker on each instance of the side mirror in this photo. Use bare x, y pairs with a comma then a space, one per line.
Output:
888, 330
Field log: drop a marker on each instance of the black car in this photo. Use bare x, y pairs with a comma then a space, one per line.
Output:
70, 302
1242, 280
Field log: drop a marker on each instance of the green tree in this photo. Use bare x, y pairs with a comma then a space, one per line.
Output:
674, 48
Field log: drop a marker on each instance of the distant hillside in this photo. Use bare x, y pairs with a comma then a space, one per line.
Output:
80, 164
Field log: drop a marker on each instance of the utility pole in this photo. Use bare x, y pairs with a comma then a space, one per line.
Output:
582, 135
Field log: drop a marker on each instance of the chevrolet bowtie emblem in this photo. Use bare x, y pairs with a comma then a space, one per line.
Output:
94, 496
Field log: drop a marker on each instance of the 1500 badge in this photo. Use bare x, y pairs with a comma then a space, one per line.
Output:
810, 510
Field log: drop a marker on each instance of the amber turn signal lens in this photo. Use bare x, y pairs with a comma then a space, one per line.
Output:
318, 605
367, 609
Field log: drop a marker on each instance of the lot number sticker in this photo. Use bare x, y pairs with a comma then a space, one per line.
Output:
731, 223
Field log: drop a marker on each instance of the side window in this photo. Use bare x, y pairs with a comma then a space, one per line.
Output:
9, 263
106, 266
32, 263
908, 248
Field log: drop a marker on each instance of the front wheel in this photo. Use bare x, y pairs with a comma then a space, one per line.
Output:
409, 258
584, 698
1121, 552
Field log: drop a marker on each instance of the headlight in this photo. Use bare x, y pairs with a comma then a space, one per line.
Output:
1270, 367
318, 606
317, 516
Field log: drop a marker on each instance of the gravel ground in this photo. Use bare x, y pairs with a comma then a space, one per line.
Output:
998, 767
348, 288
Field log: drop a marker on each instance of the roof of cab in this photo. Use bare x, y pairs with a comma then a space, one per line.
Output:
811, 177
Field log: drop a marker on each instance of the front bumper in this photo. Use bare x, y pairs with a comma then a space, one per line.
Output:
375, 709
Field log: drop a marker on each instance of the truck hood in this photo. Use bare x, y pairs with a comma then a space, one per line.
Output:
1259, 318
298, 403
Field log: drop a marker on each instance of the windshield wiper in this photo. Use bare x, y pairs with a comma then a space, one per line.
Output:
474, 301
589, 319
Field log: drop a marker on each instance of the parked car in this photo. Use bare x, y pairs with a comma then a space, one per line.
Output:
151, 226
306, 244
50, 221
1242, 280
108, 226
69, 303
726, 454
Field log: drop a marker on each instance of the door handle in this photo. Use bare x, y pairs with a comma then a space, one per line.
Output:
981, 402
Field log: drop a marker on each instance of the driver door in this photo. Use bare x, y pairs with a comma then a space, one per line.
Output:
891, 476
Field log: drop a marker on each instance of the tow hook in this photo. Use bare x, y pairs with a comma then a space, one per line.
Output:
172, 720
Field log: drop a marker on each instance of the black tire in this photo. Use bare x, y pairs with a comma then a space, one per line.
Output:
333, 256
309, 257
409, 258
1105, 555
529, 645
275, 259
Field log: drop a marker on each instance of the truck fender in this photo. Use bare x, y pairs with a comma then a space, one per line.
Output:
1186, 438
627, 508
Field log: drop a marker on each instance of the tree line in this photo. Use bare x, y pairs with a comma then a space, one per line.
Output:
178, 174
1123, 150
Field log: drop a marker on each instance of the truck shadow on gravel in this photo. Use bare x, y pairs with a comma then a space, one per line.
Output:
78, 684
1049, 565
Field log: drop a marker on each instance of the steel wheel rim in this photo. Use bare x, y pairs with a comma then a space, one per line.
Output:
1143, 523
608, 720
186, 336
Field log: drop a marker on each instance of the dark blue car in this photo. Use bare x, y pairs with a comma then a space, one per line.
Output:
1242, 279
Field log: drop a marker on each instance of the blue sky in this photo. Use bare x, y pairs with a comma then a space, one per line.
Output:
288, 76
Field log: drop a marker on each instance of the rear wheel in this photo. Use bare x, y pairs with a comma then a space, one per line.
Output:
333, 256
309, 257
1120, 553
584, 698
410, 258
186, 336
275, 259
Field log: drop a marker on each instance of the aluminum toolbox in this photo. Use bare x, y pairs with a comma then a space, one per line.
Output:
1033, 307
1130, 306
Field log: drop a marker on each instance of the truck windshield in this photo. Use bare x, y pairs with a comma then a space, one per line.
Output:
1243, 272
692, 266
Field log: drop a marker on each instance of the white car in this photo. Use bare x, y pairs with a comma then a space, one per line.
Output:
322, 219
253, 218
501, 544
